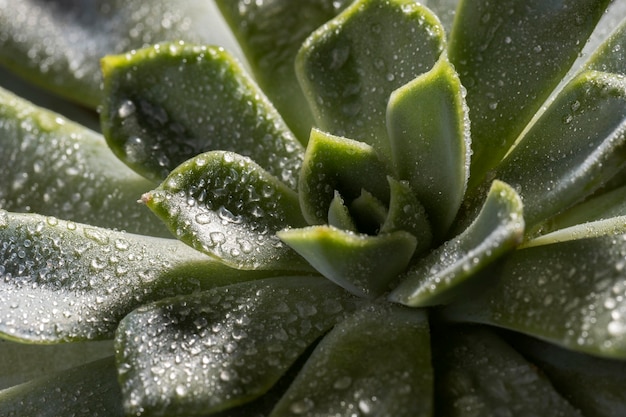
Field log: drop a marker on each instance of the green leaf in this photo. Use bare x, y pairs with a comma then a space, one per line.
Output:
333, 163
24, 362
89, 390
170, 102
407, 213
376, 362
441, 275
339, 215
202, 353
58, 44
575, 146
61, 281
349, 67
569, 293
428, 125
510, 56
610, 56
593, 385
364, 265
368, 213
225, 205
478, 374
270, 34
53, 166
604, 227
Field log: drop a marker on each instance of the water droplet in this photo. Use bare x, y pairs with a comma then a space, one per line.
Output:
302, 406
4, 219
203, 218
126, 109
343, 383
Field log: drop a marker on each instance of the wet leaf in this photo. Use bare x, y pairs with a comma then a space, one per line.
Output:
89, 390
333, 163
57, 44
349, 67
569, 293
510, 56
53, 166
206, 352
439, 277
61, 281
339, 215
428, 125
362, 264
170, 102
271, 34
478, 374
575, 147
376, 362
225, 205
604, 227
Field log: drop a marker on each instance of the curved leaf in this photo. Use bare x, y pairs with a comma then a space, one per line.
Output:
62, 281
429, 129
570, 293
89, 390
270, 34
225, 205
170, 102
53, 166
604, 227
339, 215
510, 56
57, 44
333, 163
375, 362
440, 276
362, 264
349, 67
202, 353
572, 149
480, 375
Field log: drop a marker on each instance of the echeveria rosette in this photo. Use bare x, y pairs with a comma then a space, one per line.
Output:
325, 270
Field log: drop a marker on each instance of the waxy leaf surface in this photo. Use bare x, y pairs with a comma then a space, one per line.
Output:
170, 102
225, 205
61, 281
202, 353
375, 362
349, 67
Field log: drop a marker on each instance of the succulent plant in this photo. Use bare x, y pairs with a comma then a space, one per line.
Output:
397, 214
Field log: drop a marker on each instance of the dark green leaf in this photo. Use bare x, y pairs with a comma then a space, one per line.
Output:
62, 281
440, 276
333, 163
572, 149
224, 204
213, 350
271, 33
510, 56
170, 102
428, 125
480, 375
89, 390
53, 166
362, 264
349, 67
57, 44
376, 362
570, 293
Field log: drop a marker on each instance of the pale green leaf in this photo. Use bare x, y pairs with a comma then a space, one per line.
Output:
478, 374
510, 56
339, 215
349, 67
89, 390
61, 281
440, 276
362, 264
213, 350
577, 144
569, 293
170, 102
428, 125
375, 362
333, 163
270, 34
586, 230
53, 166
225, 205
